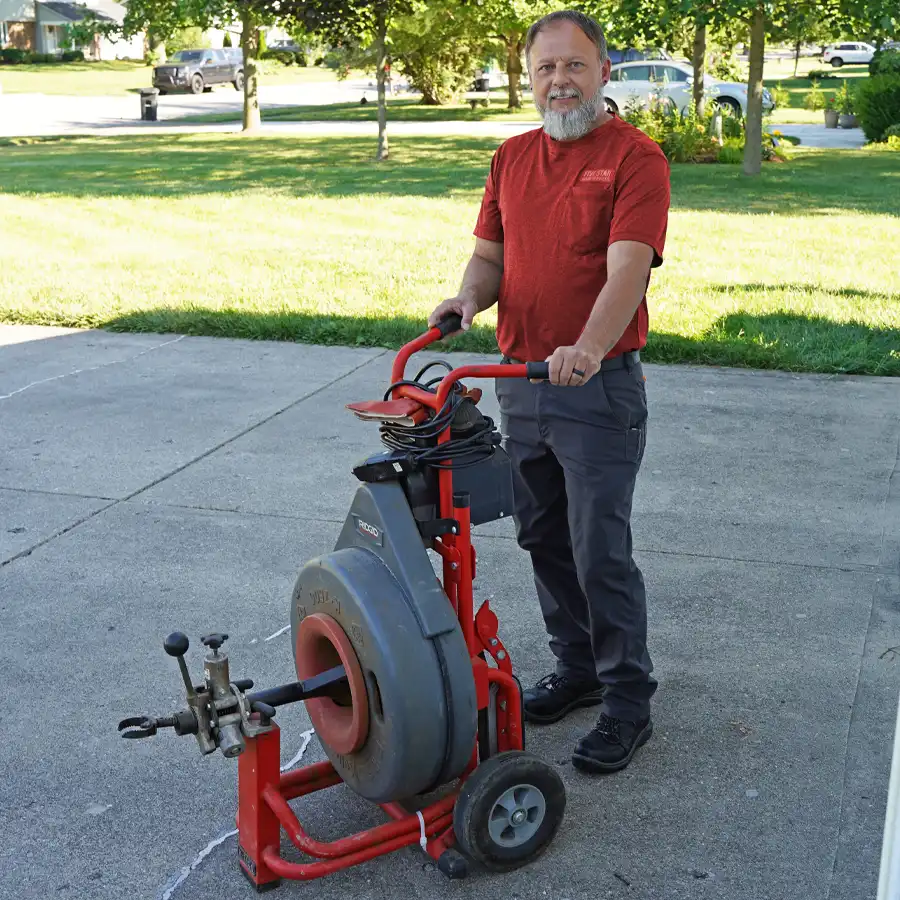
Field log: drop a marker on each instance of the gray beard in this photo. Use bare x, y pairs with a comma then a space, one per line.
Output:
569, 125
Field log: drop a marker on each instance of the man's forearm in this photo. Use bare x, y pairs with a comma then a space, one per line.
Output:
481, 282
613, 310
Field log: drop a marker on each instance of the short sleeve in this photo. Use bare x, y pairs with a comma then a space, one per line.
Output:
489, 225
641, 205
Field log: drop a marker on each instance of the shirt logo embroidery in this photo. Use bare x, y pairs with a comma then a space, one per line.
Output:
597, 175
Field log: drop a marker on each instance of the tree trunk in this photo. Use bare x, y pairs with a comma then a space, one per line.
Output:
753, 147
514, 69
250, 43
381, 78
797, 55
699, 62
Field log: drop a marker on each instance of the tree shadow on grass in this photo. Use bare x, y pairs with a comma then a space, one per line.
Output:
293, 165
756, 287
783, 341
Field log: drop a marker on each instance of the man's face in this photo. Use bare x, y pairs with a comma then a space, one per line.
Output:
568, 80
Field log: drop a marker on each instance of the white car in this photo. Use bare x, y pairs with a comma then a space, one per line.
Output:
672, 79
851, 52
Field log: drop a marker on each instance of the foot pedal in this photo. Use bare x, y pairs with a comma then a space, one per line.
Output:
453, 864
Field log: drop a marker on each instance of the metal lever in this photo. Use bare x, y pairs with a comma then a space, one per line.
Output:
177, 644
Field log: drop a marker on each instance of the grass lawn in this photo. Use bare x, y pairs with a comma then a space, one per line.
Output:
114, 77
400, 109
781, 72
309, 240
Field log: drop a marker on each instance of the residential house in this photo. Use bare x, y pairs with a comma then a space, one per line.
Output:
40, 26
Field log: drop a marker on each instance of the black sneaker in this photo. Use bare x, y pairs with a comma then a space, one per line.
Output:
556, 695
612, 743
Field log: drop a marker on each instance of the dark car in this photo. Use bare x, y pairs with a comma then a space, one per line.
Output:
196, 71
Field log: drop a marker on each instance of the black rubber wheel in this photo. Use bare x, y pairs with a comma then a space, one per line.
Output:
197, 84
836, 62
509, 810
611, 106
239, 82
729, 105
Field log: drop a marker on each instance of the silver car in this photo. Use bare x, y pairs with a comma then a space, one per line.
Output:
675, 80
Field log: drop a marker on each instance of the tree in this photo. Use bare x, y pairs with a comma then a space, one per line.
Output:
349, 21
437, 49
507, 22
159, 19
753, 128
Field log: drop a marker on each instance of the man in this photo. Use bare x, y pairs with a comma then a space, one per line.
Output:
572, 220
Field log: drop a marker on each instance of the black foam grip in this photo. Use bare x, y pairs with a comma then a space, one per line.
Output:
538, 371
449, 325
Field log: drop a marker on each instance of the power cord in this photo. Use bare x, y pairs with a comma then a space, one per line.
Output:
420, 442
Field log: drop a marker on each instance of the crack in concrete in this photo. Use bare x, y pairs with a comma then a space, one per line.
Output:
112, 362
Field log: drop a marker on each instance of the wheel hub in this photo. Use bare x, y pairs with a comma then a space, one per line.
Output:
517, 815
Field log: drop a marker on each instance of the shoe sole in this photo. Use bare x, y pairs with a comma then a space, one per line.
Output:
592, 699
587, 764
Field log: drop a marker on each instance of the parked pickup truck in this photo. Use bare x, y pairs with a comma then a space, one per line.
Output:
196, 71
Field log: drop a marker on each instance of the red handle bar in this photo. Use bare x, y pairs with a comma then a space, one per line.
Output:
535, 370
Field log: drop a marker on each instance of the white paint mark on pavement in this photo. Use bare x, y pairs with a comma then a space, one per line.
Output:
97, 809
278, 633
112, 362
307, 737
187, 870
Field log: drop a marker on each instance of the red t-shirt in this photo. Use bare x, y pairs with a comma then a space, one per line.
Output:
557, 206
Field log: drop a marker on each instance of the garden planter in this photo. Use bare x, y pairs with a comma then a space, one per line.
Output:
831, 118
847, 120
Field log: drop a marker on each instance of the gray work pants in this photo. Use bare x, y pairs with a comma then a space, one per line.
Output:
575, 454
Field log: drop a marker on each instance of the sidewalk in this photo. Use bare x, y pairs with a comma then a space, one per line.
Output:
150, 483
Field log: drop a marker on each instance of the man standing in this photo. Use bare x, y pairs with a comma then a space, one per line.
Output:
572, 220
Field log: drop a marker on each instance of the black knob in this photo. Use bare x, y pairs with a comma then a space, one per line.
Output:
176, 644
266, 712
213, 641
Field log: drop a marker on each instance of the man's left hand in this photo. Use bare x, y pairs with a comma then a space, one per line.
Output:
573, 366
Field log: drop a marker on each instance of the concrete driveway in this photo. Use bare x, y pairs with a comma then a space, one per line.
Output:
154, 482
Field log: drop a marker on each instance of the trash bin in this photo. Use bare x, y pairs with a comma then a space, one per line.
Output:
149, 104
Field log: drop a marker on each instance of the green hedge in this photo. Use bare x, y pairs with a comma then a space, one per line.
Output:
885, 62
13, 57
877, 105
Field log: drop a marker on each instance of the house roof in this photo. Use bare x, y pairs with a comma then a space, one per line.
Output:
75, 12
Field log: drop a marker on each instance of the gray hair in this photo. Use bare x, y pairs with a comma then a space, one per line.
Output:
585, 23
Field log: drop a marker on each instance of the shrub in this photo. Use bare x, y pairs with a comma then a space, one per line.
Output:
885, 62
878, 105
893, 131
819, 74
73, 56
726, 68
781, 95
226, 41
843, 99
893, 142
686, 138
12, 56
731, 152
814, 99
187, 39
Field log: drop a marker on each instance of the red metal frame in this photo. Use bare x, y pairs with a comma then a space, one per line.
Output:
264, 792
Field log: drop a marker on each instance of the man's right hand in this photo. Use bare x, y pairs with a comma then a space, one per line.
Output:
465, 307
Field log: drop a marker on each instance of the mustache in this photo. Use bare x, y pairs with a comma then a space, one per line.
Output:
564, 94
